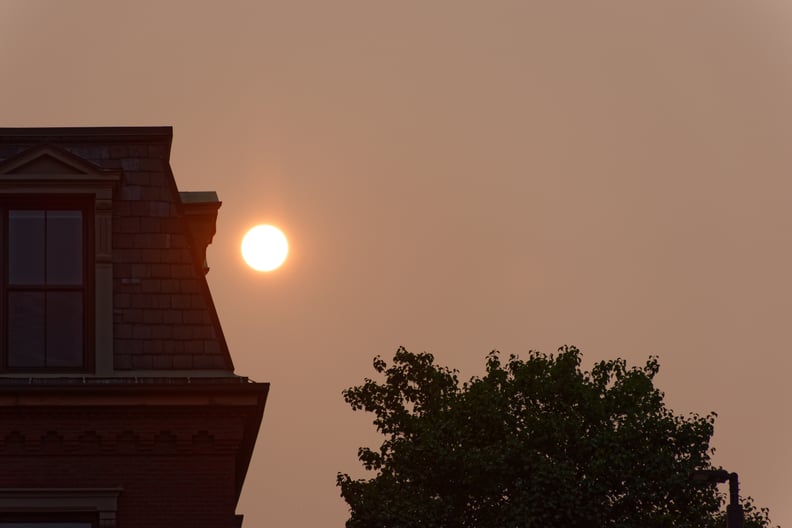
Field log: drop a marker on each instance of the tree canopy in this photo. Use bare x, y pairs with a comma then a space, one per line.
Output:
533, 443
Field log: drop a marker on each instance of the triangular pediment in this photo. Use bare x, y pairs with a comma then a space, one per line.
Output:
46, 164
50, 161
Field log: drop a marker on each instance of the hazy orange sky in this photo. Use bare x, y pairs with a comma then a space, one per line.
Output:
458, 177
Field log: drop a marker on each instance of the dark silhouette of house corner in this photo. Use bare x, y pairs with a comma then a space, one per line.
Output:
119, 405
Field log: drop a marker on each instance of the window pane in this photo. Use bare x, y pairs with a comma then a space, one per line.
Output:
64, 247
64, 329
26, 329
26, 247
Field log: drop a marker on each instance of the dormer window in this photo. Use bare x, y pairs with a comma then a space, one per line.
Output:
56, 275
46, 282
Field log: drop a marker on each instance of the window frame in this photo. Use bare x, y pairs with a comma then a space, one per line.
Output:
51, 519
50, 202
98, 506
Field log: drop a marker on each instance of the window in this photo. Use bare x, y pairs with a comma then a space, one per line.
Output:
58, 507
46, 521
46, 283
49, 321
35, 524
45, 524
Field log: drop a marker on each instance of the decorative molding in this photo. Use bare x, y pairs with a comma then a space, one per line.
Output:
103, 229
53, 170
126, 442
48, 162
102, 501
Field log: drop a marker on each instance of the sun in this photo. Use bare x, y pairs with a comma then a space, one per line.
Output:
265, 247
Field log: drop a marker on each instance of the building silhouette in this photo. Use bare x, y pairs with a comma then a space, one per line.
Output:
119, 405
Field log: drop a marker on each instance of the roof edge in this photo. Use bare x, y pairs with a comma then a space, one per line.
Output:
65, 134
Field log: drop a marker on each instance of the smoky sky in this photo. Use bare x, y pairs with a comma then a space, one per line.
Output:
458, 177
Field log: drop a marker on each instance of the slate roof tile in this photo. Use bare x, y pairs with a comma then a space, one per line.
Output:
163, 314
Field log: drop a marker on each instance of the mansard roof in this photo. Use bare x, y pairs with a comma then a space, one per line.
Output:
163, 317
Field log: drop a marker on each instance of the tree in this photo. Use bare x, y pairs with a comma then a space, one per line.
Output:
533, 443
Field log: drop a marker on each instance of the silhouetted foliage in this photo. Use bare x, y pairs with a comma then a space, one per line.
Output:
533, 443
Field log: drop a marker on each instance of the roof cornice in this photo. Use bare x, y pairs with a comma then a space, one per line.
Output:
82, 134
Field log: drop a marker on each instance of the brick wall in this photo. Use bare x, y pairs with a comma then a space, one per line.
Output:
177, 466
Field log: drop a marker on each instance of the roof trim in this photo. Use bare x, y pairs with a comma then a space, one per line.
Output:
244, 395
11, 166
105, 134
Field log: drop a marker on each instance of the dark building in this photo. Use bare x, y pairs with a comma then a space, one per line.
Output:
119, 405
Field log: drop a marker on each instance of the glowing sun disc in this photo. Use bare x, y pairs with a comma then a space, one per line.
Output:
264, 248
